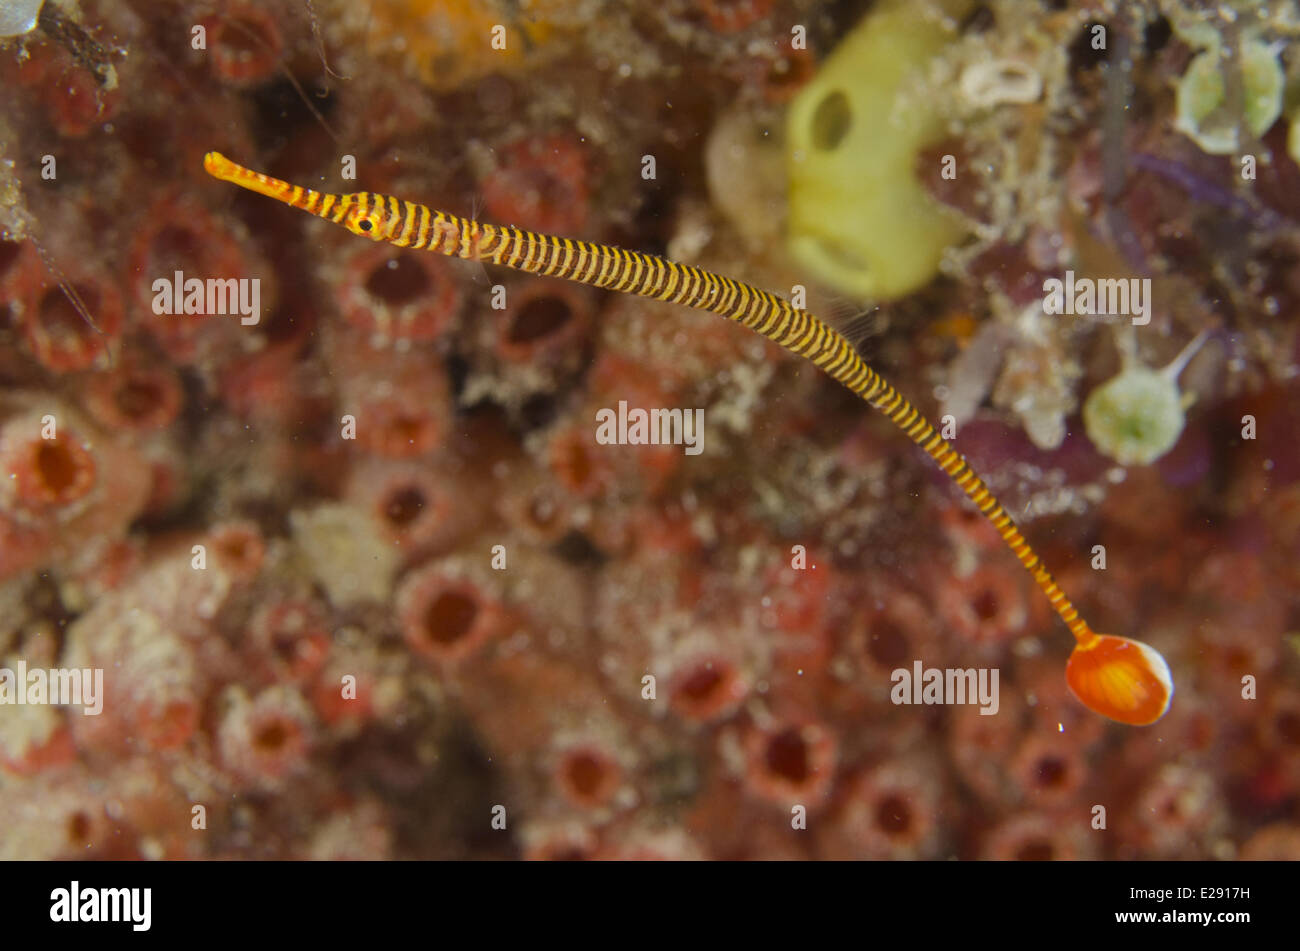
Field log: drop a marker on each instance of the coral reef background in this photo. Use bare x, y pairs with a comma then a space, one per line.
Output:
769, 585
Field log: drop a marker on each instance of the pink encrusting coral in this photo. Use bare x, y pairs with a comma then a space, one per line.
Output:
1036, 837
135, 396
265, 740
891, 631
399, 402
63, 482
48, 473
588, 775
543, 324
154, 695
245, 43
421, 506
57, 331
890, 811
178, 238
1048, 768
402, 296
447, 617
293, 636
35, 738
706, 687
367, 572
790, 763
73, 100
541, 183
985, 606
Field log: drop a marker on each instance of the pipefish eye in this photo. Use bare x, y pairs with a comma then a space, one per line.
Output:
364, 224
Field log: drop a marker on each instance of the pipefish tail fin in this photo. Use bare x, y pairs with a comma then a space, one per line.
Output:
1120, 678
1131, 684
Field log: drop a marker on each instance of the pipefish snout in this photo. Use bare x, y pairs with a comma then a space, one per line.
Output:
1119, 678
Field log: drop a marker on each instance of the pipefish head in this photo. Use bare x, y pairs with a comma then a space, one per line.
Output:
370, 216
366, 214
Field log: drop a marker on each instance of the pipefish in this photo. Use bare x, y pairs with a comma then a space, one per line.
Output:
1120, 678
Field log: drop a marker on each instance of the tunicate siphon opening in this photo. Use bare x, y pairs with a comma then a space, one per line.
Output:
893, 815
577, 463
399, 281
243, 38
284, 644
1050, 772
137, 398
568, 854
985, 605
60, 319
410, 433
177, 248
58, 467
271, 737
538, 318
1036, 850
404, 506
1288, 726
831, 121
701, 685
78, 828
450, 617
787, 756
889, 645
235, 547
586, 774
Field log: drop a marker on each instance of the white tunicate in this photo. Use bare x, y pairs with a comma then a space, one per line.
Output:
993, 82
18, 17
1137, 416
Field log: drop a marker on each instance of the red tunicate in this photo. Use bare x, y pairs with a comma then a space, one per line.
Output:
398, 295
444, 618
243, 44
541, 184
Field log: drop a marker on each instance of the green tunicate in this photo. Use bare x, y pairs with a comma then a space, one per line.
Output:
1136, 417
1202, 111
859, 219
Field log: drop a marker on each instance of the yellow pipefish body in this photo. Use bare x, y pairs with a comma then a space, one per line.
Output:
1123, 679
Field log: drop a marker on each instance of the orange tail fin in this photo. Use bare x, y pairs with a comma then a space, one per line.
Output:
1122, 679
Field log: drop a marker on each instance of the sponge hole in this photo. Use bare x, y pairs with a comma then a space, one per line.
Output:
831, 121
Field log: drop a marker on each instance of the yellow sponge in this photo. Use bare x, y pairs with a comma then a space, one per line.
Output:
859, 219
